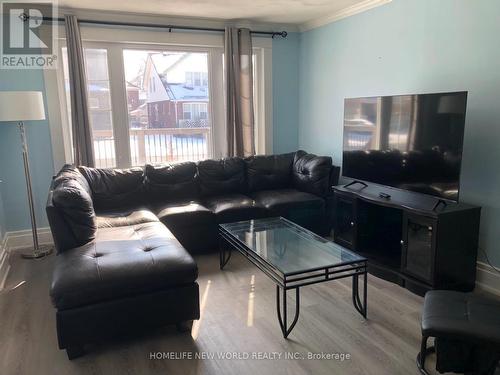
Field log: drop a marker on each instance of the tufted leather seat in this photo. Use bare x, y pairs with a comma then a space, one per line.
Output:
118, 218
184, 213
123, 261
182, 217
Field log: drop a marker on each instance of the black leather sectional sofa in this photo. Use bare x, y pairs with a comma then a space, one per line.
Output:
124, 237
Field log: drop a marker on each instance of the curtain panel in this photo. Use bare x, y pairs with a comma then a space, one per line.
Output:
239, 92
83, 152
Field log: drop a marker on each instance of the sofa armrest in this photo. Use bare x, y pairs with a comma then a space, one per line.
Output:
311, 173
334, 178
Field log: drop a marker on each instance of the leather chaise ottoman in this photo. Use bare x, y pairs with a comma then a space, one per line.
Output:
130, 277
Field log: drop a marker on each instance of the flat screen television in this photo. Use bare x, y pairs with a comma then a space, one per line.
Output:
410, 142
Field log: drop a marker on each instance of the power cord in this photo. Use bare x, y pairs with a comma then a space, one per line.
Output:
488, 260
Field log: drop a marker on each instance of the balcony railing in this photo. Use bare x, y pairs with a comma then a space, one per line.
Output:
201, 123
163, 145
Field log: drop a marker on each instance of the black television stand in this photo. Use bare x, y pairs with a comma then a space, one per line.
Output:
406, 239
352, 183
438, 203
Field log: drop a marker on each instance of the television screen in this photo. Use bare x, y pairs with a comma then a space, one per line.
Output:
411, 142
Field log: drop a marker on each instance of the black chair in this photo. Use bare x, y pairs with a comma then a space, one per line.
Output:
466, 328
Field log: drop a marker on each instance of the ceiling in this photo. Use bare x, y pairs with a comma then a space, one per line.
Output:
273, 11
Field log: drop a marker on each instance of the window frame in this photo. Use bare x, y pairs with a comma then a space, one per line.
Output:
143, 39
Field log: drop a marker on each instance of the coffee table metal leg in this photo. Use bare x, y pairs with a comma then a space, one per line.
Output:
281, 305
361, 307
223, 250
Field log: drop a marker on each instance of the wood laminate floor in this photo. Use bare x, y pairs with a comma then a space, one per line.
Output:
238, 316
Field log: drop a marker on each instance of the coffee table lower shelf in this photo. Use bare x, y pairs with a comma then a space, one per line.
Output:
296, 280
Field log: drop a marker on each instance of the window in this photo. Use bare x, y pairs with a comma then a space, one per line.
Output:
99, 101
195, 112
196, 79
186, 111
153, 103
189, 79
203, 111
164, 126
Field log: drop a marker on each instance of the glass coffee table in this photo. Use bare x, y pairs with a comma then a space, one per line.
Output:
293, 257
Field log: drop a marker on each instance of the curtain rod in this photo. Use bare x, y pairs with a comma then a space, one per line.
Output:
283, 34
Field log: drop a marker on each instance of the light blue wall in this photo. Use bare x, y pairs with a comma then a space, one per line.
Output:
15, 205
285, 93
412, 46
2, 218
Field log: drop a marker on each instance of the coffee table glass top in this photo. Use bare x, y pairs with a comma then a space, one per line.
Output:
287, 246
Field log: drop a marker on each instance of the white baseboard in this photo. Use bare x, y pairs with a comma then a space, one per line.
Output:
23, 239
17, 240
4, 261
487, 279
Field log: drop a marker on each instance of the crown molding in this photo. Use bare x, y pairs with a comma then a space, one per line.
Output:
343, 13
101, 15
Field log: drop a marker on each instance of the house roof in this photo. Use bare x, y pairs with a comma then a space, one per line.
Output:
181, 92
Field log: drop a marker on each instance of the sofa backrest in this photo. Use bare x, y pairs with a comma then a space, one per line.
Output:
115, 188
171, 182
312, 173
222, 176
267, 172
77, 193
70, 210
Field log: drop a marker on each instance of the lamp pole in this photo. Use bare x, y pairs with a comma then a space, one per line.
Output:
37, 252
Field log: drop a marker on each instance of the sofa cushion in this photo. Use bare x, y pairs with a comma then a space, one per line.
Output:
305, 209
171, 182
120, 218
70, 172
222, 176
115, 188
184, 213
234, 207
266, 172
192, 224
284, 200
75, 215
311, 173
121, 262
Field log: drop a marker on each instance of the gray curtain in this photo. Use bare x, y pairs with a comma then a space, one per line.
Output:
239, 92
82, 134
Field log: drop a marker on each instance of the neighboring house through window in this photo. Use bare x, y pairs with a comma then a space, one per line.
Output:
194, 111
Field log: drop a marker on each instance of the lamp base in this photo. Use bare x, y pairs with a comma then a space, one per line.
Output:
41, 252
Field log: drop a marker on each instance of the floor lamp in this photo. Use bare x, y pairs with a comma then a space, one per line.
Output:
25, 106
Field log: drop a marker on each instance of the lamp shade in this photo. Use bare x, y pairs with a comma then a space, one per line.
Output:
21, 106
